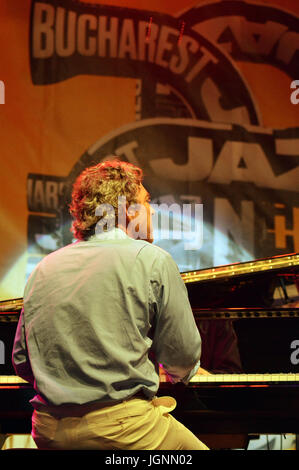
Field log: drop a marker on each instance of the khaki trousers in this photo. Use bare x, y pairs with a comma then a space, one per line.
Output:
135, 424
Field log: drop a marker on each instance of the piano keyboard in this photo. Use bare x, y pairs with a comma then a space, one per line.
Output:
11, 380
240, 378
214, 378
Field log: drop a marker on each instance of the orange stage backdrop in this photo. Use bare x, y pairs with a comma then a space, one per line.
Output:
203, 95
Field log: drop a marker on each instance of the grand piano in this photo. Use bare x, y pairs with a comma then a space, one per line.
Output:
249, 309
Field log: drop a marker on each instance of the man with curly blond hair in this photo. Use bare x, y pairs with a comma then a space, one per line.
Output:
101, 186
99, 316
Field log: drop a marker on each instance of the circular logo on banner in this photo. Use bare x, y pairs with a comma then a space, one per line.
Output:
249, 32
197, 134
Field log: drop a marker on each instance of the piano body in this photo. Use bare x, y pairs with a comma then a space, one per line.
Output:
256, 393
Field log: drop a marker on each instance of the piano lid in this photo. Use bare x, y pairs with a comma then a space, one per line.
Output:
11, 305
262, 283
266, 265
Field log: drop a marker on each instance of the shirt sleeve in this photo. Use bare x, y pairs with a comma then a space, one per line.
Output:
176, 339
20, 358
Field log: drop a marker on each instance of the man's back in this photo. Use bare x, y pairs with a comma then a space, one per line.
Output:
98, 316
90, 310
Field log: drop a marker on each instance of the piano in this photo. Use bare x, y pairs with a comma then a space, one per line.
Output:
253, 386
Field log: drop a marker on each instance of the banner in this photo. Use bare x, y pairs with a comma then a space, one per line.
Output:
204, 98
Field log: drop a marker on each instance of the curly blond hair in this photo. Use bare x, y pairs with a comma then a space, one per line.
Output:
102, 184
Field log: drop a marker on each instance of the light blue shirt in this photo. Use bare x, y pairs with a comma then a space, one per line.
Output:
95, 313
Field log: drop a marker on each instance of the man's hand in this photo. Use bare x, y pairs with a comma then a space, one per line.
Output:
165, 377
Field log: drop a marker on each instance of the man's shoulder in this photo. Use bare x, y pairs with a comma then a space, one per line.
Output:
155, 252
51, 257
59, 252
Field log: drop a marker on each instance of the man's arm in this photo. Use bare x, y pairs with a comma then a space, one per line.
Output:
176, 341
20, 359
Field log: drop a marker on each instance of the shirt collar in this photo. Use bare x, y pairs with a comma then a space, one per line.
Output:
113, 234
